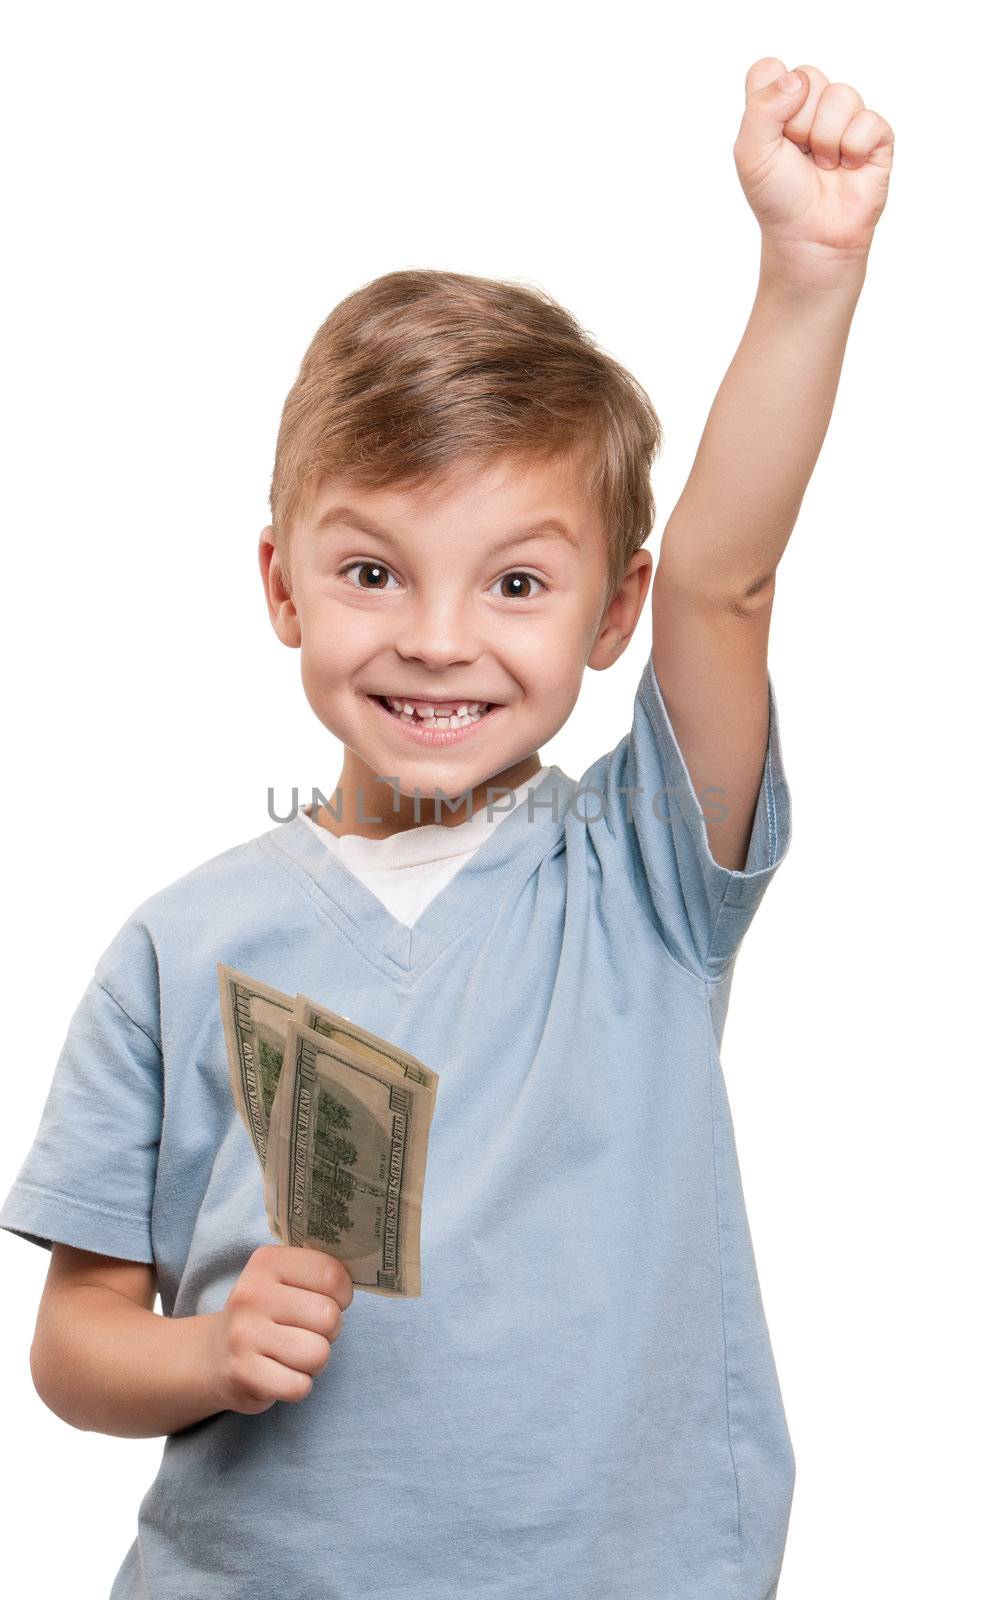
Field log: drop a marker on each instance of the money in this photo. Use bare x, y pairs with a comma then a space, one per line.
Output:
255, 1017
339, 1118
348, 1146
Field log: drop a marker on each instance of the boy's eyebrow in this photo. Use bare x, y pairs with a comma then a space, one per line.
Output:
551, 527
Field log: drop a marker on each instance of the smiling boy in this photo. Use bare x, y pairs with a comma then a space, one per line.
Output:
583, 1401
453, 622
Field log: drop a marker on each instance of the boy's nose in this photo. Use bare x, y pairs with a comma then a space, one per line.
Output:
439, 635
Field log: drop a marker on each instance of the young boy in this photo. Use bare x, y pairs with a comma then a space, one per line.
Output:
582, 1402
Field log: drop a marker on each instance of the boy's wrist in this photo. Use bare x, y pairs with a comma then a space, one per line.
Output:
799, 275
194, 1363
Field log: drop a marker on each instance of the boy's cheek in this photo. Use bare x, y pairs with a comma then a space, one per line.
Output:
336, 641
322, 684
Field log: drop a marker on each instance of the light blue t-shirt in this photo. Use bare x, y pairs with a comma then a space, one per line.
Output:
583, 1404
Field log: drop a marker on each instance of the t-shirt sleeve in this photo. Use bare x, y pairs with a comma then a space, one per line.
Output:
88, 1178
656, 820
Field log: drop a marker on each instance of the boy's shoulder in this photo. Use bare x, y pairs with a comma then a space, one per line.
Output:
210, 881
189, 921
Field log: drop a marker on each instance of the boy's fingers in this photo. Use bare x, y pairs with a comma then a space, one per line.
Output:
304, 1308
297, 1348
838, 105
800, 122
867, 137
305, 1268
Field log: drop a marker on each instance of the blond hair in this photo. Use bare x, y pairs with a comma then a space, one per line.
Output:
419, 371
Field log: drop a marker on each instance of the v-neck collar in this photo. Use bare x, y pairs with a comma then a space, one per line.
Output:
502, 860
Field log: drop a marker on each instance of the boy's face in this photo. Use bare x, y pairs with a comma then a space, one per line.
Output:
449, 594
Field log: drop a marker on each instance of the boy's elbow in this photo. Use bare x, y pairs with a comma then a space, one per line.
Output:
42, 1378
39, 1372
50, 1374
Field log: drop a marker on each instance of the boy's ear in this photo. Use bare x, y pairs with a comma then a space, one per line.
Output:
621, 616
277, 592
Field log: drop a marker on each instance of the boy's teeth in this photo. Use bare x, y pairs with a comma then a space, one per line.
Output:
445, 715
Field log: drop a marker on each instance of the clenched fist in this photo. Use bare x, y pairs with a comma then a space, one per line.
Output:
277, 1328
814, 163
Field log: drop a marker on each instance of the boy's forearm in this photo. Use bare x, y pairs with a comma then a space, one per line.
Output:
107, 1365
736, 513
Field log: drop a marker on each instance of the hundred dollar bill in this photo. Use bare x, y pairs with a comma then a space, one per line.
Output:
349, 1140
255, 1019
332, 1025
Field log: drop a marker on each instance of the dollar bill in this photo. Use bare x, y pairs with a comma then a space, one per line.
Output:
257, 1019
349, 1140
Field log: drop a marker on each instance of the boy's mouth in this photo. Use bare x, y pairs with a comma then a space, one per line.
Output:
439, 713
436, 722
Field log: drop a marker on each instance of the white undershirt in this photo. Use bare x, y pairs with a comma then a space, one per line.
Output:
406, 870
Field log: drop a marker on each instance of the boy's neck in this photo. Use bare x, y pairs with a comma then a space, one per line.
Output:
368, 807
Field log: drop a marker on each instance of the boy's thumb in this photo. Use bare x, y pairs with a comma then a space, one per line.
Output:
768, 109
789, 85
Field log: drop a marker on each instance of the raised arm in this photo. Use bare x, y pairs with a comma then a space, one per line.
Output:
815, 167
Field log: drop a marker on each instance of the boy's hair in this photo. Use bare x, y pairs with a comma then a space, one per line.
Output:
420, 371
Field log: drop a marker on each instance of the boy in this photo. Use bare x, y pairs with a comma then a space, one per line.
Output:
583, 1401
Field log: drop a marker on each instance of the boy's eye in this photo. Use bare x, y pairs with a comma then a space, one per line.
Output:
376, 570
514, 579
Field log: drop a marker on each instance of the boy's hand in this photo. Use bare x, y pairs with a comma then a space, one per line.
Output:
815, 166
278, 1325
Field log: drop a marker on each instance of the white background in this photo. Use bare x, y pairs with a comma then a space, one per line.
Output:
189, 190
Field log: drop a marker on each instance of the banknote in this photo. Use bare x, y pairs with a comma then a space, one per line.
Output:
348, 1146
255, 1017
336, 1209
